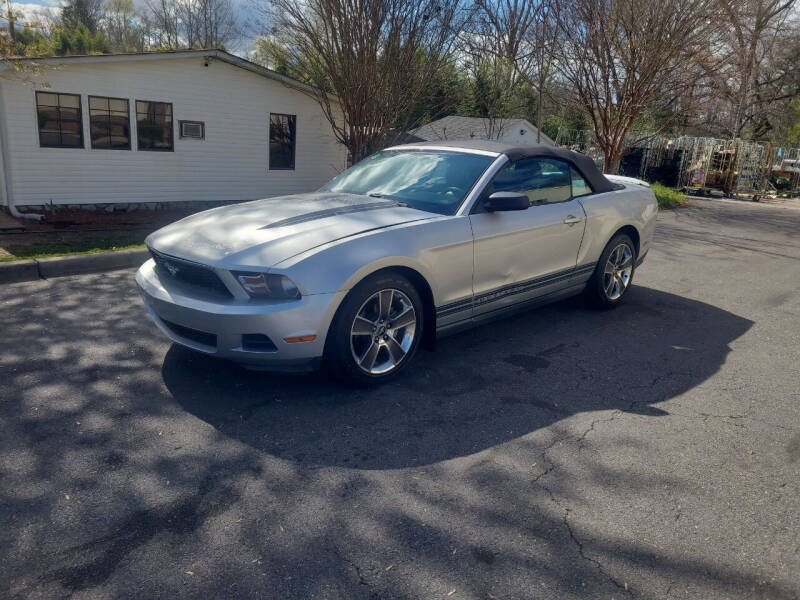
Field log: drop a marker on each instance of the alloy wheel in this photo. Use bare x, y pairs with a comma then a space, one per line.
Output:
618, 271
383, 331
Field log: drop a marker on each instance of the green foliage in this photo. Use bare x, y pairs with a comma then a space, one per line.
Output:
492, 93
444, 96
77, 41
793, 116
668, 197
61, 248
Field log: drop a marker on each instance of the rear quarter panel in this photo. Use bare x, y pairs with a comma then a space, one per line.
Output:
608, 212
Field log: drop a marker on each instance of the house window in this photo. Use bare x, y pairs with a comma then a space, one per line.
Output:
282, 138
154, 125
110, 123
60, 121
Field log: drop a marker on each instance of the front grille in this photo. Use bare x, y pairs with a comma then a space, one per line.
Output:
190, 273
201, 337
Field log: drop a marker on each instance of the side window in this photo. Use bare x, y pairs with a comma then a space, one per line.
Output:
60, 124
580, 187
154, 126
110, 123
543, 180
282, 140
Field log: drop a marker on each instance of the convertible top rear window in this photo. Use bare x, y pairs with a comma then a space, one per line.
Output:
431, 180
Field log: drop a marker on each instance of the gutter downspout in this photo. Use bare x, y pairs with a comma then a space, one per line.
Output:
5, 184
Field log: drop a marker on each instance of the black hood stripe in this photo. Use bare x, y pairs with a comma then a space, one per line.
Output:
333, 212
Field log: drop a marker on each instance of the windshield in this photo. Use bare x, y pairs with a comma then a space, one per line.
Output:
431, 180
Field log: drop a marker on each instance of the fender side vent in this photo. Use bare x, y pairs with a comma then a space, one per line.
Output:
257, 342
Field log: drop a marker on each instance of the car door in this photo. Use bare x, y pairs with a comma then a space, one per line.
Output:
520, 255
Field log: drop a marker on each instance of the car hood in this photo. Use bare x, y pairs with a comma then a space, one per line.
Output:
263, 233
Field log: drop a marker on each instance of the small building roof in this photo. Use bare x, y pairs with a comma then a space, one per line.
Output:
455, 127
209, 54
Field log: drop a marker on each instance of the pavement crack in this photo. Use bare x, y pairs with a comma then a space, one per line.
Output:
582, 553
582, 438
353, 565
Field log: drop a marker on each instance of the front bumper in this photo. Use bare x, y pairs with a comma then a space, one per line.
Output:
226, 327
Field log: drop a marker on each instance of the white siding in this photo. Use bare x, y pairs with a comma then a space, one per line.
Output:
232, 163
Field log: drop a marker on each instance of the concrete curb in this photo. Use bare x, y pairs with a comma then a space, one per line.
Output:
60, 266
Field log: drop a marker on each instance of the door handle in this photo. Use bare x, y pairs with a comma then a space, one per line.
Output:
572, 219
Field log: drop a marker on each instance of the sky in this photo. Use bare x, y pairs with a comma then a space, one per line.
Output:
33, 11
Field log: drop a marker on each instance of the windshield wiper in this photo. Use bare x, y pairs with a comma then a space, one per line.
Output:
379, 195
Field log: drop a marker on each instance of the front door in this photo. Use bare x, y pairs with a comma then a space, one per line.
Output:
520, 255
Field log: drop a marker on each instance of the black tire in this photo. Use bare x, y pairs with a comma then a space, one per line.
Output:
596, 291
342, 346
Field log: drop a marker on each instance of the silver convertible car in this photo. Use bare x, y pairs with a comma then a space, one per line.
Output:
411, 243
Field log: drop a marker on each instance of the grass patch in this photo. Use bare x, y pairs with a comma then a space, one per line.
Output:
66, 248
668, 197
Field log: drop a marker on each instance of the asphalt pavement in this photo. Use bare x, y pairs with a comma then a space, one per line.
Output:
648, 452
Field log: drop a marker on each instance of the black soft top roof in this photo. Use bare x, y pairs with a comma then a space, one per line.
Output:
582, 163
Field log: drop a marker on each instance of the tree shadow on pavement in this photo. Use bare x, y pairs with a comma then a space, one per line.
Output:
126, 473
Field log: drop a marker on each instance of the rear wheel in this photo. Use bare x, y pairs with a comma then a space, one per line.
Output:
613, 274
376, 331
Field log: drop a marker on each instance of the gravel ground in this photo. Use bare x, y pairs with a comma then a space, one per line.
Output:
648, 452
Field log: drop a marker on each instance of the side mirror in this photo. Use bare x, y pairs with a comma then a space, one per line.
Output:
504, 201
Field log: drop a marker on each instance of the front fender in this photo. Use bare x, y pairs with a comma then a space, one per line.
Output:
440, 250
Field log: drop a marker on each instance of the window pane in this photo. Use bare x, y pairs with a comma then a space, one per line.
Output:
579, 185
48, 119
542, 180
44, 99
70, 114
98, 103
118, 105
282, 134
154, 125
71, 140
70, 127
49, 138
69, 101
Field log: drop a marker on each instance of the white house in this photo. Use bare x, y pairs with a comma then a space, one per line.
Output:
518, 131
157, 127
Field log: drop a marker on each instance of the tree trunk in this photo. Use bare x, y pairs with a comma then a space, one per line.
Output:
611, 160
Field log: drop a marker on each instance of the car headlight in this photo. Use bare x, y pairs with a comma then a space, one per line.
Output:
264, 285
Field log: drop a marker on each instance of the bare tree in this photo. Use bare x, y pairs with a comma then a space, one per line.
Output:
208, 23
623, 57
162, 23
192, 23
121, 26
518, 39
750, 80
367, 60
495, 50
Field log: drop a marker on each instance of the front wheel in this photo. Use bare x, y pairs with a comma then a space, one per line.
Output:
613, 274
377, 330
